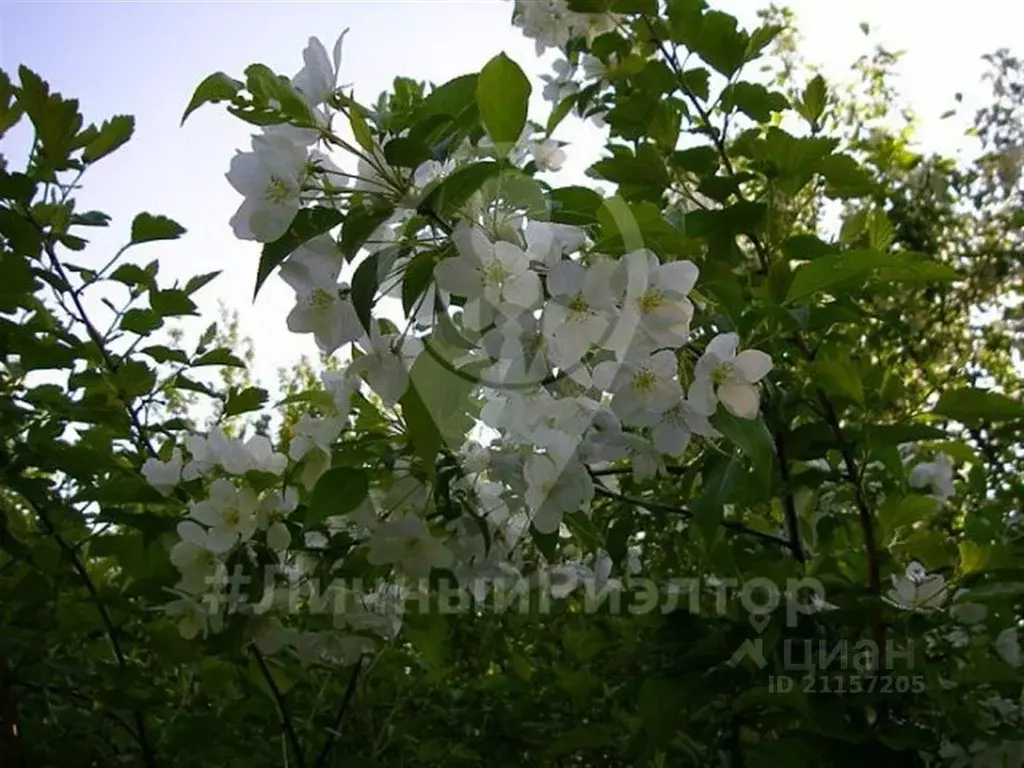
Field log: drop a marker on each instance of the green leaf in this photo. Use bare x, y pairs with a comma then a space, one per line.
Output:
360, 223
720, 43
436, 405
761, 38
308, 223
133, 276
721, 478
839, 377
134, 378
658, 706
198, 282
559, 113
814, 100
446, 196
752, 437
831, 271
147, 227
112, 134
220, 356
881, 232
754, 100
502, 95
807, 248
420, 427
162, 354
17, 186
216, 87
416, 277
845, 176
365, 282
699, 160
360, 128
577, 206
337, 492
976, 407
141, 321
171, 303
244, 400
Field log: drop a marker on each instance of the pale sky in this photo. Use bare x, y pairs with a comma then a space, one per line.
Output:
145, 59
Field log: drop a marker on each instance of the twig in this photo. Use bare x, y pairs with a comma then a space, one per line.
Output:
717, 137
653, 506
282, 707
350, 690
789, 503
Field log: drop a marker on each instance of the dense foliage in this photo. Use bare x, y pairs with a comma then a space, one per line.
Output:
723, 468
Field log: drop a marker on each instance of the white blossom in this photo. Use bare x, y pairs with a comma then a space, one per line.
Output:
641, 386
195, 557
580, 310
319, 75
407, 541
386, 364
723, 375
917, 590
656, 312
547, 154
547, 242
270, 178
229, 512
312, 271
488, 275
555, 486
935, 475
676, 426
164, 475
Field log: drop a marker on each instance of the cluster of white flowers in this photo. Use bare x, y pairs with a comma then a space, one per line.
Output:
577, 357
551, 24
918, 590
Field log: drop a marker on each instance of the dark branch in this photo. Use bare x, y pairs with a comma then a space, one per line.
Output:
282, 707
653, 506
346, 700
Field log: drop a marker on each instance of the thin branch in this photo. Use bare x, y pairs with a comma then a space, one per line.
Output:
717, 137
789, 503
282, 707
653, 506
94, 336
140, 726
346, 700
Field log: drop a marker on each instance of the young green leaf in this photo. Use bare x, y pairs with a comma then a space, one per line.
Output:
503, 95
146, 227
216, 87
112, 134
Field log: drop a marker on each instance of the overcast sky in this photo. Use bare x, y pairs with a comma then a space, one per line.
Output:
145, 59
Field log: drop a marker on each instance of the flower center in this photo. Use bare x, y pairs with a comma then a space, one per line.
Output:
278, 190
412, 547
578, 305
495, 273
722, 373
644, 381
651, 300
232, 516
321, 298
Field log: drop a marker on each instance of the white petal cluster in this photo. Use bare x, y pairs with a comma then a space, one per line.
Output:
551, 24
935, 476
918, 590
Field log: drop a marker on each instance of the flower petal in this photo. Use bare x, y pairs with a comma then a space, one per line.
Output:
753, 365
740, 399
